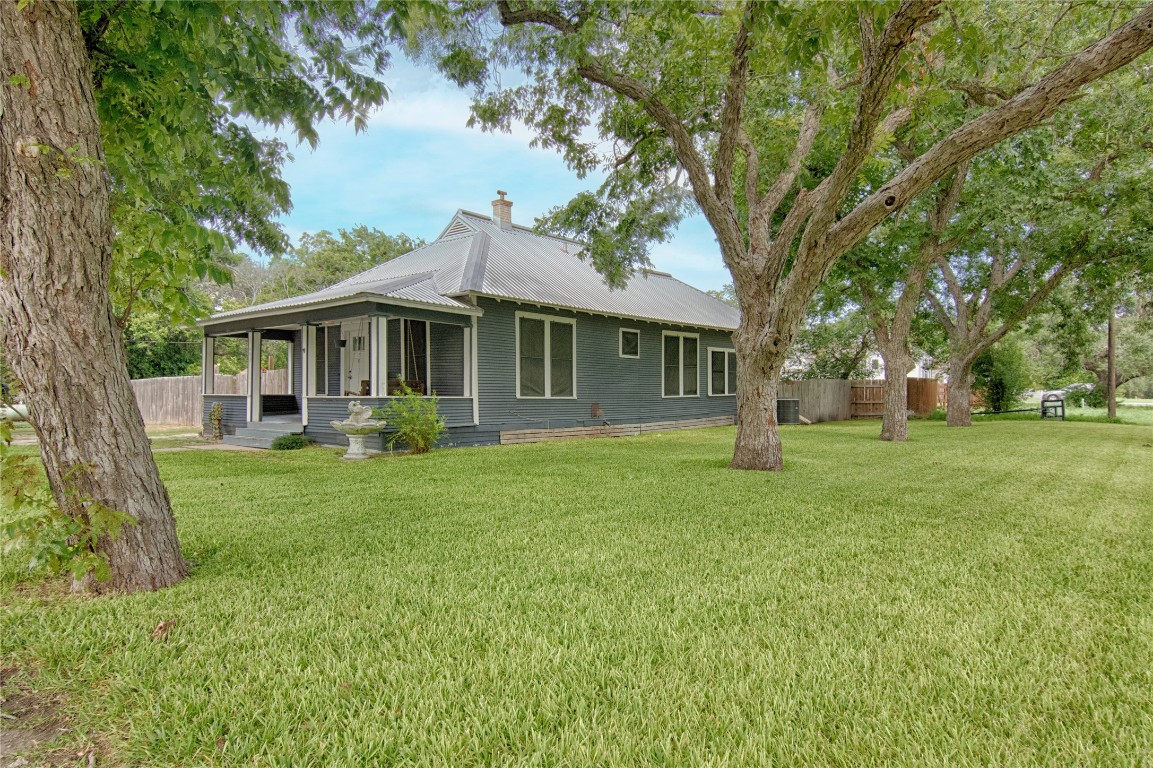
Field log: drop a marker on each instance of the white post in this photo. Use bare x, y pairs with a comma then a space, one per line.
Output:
254, 376
207, 365
307, 369
375, 356
475, 374
288, 377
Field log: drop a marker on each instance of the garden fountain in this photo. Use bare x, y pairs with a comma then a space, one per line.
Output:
357, 426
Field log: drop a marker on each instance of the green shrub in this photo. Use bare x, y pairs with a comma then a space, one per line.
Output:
1093, 398
414, 419
290, 443
33, 527
1001, 375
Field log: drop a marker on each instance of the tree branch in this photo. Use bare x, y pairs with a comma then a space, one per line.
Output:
984, 95
954, 286
93, 36
881, 64
1023, 311
810, 127
752, 166
528, 15
942, 313
718, 212
620, 161
1025, 110
734, 102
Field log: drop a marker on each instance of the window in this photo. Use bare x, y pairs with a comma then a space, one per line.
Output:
545, 356
630, 343
722, 371
680, 362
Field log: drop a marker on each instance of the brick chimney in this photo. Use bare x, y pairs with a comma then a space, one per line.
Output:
502, 211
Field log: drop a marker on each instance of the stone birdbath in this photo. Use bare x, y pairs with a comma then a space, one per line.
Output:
357, 426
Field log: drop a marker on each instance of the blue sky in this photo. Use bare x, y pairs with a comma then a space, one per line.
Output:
418, 163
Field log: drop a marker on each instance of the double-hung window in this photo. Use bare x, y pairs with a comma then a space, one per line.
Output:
545, 355
679, 364
722, 371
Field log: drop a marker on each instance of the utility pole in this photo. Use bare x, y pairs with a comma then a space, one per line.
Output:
1111, 372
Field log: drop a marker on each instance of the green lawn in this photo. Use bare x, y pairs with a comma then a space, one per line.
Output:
1126, 414
974, 597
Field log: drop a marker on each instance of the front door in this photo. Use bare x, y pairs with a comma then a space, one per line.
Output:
355, 359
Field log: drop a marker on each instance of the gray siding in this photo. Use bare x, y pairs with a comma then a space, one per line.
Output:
324, 410
235, 412
627, 390
447, 364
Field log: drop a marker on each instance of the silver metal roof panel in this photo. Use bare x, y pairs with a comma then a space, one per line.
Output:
475, 255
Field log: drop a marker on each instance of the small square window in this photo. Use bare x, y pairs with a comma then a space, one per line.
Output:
630, 343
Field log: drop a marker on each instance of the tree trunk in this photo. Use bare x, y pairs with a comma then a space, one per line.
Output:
960, 393
758, 444
895, 419
58, 332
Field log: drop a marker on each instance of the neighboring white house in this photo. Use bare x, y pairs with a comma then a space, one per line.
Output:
876, 368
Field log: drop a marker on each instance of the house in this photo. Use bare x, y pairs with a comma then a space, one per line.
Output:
518, 337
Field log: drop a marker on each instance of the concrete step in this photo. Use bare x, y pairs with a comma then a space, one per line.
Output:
251, 442
269, 429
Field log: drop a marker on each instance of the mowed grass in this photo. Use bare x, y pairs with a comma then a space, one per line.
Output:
1140, 415
978, 596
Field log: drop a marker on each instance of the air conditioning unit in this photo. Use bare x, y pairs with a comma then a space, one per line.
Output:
788, 411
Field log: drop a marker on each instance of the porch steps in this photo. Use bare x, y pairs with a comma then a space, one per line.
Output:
260, 434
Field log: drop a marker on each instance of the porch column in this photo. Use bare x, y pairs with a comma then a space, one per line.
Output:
475, 365
207, 365
376, 356
289, 376
307, 369
254, 376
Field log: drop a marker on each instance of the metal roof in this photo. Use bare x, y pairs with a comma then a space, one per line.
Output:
476, 256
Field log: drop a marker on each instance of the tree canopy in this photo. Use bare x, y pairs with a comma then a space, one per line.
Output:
180, 90
766, 116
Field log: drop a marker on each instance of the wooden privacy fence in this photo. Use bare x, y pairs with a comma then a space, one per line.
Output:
821, 399
169, 400
868, 397
274, 382
176, 400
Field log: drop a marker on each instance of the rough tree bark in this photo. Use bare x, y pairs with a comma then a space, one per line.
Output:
895, 400
959, 412
59, 333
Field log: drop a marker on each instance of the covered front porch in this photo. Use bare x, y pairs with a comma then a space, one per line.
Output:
298, 371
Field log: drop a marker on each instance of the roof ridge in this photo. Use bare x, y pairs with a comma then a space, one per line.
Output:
349, 280
399, 282
520, 228
472, 277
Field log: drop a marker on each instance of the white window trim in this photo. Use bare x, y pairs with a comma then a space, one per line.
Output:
548, 321
681, 368
621, 344
726, 350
